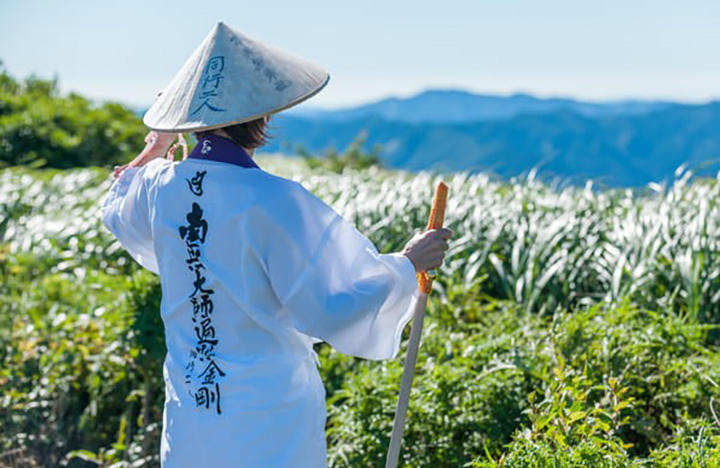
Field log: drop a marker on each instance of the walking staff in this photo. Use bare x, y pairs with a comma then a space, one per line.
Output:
437, 216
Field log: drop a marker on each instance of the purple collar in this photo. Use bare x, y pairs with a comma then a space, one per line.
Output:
216, 148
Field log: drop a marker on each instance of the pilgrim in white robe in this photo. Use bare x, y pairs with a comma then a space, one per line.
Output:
254, 269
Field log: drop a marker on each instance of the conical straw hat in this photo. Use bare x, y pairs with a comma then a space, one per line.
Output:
230, 79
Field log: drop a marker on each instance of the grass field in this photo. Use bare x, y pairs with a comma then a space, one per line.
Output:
569, 326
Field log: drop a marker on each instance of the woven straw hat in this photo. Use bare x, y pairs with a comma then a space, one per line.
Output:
230, 79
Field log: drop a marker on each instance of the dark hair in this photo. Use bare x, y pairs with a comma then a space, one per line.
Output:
250, 135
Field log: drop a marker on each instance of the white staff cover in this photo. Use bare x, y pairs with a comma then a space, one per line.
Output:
230, 79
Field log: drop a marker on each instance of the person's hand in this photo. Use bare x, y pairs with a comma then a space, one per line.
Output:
156, 146
426, 250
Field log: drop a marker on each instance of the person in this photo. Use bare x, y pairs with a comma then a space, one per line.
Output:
254, 269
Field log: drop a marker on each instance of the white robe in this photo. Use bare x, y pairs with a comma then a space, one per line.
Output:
249, 282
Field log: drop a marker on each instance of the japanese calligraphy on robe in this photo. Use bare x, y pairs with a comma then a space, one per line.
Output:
254, 269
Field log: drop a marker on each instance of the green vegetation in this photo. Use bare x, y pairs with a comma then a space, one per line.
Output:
354, 157
568, 327
42, 128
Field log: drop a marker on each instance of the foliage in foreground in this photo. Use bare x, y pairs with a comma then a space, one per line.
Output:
83, 370
598, 384
542, 247
538, 349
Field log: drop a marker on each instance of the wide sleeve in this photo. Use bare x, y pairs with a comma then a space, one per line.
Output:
127, 212
331, 280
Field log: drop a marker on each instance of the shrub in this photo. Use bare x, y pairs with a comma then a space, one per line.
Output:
43, 128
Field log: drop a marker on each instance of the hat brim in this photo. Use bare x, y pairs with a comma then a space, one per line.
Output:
229, 79
191, 128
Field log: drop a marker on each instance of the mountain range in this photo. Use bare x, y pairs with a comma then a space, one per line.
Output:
446, 106
616, 143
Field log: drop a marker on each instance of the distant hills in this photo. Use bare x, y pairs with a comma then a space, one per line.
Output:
626, 143
446, 106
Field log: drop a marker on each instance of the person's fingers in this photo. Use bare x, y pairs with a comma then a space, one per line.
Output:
156, 144
438, 244
445, 233
152, 137
117, 170
434, 242
440, 257
442, 233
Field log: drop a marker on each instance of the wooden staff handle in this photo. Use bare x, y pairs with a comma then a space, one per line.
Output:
436, 220
437, 216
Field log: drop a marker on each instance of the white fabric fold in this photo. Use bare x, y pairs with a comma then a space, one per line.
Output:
128, 209
332, 281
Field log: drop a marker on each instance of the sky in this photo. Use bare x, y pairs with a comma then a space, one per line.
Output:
594, 50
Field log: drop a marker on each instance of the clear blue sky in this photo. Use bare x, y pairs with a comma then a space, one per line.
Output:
127, 50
